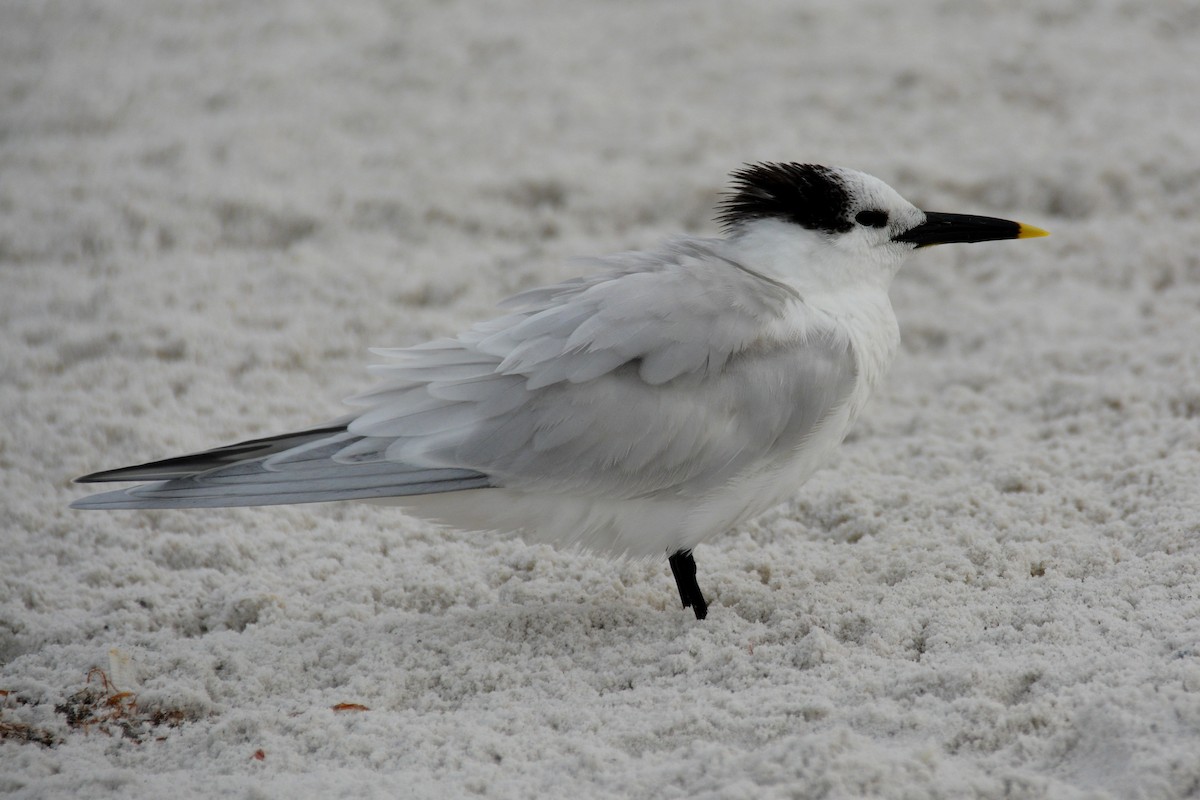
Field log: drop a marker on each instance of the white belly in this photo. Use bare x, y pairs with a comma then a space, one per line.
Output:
636, 527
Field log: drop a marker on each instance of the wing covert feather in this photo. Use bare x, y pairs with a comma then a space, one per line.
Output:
671, 370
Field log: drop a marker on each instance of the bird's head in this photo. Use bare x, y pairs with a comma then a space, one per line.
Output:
834, 223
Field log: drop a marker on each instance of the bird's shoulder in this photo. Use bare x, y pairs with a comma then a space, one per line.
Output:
689, 305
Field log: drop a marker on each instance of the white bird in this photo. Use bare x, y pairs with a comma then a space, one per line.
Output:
640, 410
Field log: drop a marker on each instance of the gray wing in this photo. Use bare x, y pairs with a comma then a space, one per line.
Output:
671, 371
667, 371
220, 479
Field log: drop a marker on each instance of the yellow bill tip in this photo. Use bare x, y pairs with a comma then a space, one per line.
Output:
1030, 231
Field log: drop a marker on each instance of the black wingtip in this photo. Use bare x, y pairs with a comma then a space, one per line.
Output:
193, 463
166, 469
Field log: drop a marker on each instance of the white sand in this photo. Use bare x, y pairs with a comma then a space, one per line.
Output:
209, 211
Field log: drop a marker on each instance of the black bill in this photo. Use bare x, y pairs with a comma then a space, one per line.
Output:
941, 228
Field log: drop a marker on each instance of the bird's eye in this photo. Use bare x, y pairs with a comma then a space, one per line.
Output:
872, 218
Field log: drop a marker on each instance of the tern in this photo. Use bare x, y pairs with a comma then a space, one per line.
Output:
640, 410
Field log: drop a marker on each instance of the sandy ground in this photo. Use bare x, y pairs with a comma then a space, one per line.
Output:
209, 211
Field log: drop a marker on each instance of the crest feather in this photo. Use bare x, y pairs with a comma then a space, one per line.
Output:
809, 195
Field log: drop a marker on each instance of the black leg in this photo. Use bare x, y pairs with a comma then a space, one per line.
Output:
683, 567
